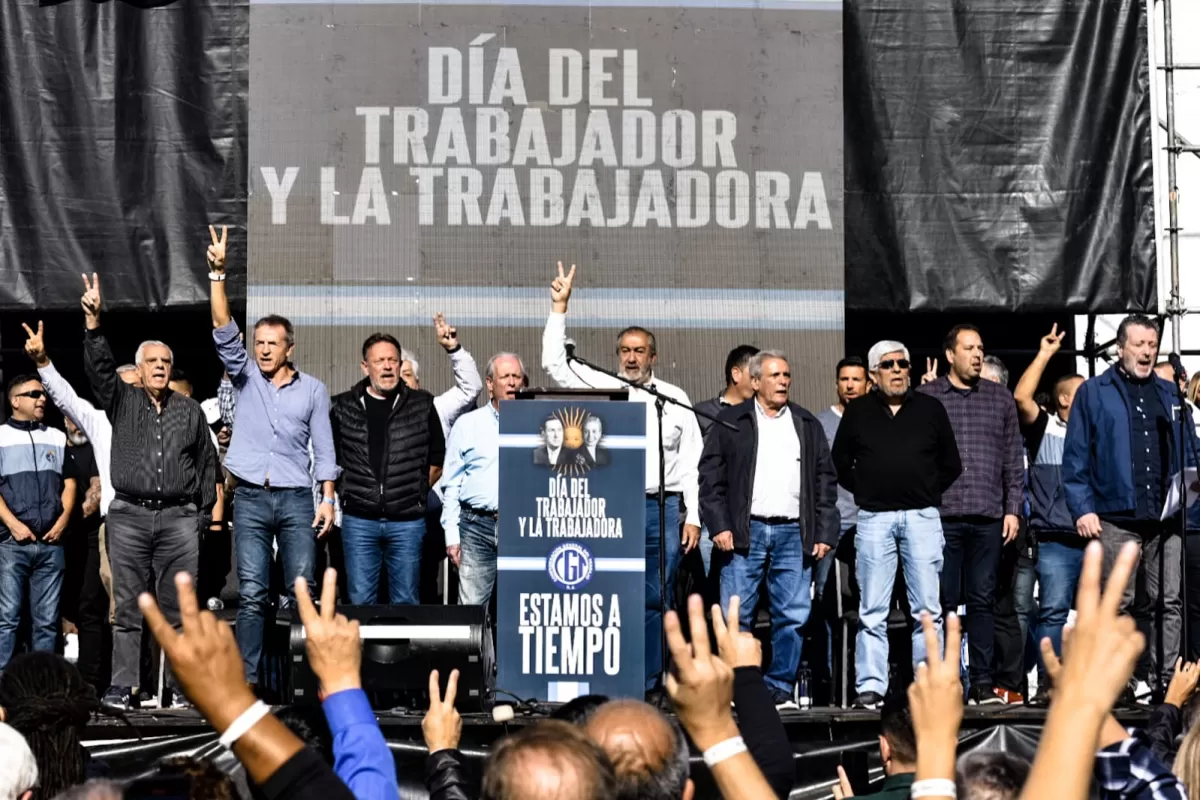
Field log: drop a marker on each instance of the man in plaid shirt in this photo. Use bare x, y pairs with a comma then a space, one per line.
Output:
980, 511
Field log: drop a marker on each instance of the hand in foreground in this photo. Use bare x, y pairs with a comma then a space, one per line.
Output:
691, 537
35, 347
1052, 341
1088, 526
442, 726
930, 375
702, 685
332, 641
1111, 732
1012, 527
1183, 683
723, 540
447, 335
1104, 646
842, 789
21, 532
560, 288
216, 250
936, 696
203, 655
91, 297
454, 553
324, 519
737, 648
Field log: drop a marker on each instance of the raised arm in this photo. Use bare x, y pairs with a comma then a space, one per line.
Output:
98, 361
554, 342
1031, 378
86, 416
460, 398
218, 300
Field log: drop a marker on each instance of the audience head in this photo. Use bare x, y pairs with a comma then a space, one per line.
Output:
204, 780
546, 761
771, 377
310, 726
579, 710
274, 342
1137, 345
649, 754
637, 352
95, 789
18, 769
410, 369
27, 398
381, 363
154, 360
964, 351
505, 376
991, 775
180, 382
44, 698
890, 367
994, 370
129, 374
737, 371
1187, 761
1064, 394
852, 379
897, 740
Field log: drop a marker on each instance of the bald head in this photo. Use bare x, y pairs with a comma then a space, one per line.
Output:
548, 761
648, 752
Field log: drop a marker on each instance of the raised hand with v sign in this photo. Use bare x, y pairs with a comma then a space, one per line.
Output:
332, 641
216, 250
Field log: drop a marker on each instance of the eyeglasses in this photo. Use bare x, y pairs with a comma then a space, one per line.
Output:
902, 363
36, 394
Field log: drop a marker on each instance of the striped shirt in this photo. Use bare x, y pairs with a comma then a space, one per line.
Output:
1128, 770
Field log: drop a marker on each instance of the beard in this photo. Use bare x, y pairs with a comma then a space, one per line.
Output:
77, 438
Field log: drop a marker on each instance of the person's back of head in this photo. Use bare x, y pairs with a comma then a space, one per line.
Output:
95, 789
205, 780
648, 752
897, 740
991, 775
46, 699
579, 710
1187, 761
546, 761
310, 726
18, 769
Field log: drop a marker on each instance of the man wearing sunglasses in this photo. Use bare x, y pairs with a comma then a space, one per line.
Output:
36, 498
895, 450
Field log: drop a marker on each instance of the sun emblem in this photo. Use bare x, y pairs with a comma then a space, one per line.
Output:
572, 420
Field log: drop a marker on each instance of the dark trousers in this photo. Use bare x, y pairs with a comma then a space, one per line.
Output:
85, 602
970, 562
1015, 610
1192, 609
140, 541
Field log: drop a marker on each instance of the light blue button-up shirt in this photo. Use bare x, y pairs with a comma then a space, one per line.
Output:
472, 471
275, 423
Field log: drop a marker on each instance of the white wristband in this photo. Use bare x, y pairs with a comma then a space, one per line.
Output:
245, 721
216, 276
934, 787
724, 750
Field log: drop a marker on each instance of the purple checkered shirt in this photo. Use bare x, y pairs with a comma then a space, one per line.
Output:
989, 444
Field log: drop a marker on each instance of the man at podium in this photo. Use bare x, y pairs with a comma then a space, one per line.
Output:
637, 354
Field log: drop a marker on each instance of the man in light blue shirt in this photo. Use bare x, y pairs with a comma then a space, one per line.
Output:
281, 411
471, 484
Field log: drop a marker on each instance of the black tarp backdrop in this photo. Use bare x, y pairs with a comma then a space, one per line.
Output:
998, 156
122, 135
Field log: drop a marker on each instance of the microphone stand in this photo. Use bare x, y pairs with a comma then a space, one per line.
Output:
660, 402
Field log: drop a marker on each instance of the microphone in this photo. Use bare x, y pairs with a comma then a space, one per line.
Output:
1177, 365
569, 346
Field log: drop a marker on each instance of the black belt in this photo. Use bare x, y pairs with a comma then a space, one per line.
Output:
480, 512
776, 520
654, 495
153, 503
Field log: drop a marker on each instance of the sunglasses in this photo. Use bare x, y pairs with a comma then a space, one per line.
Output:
902, 363
36, 394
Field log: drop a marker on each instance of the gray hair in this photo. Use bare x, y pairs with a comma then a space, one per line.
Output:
665, 783
126, 368
140, 355
491, 365
411, 358
991, 775
997, 366
95, 789
881, 349
760, 358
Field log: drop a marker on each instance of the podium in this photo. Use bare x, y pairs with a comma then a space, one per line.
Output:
571, 565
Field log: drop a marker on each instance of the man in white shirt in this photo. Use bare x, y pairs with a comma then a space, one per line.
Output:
459, 398
770, 490
638, 355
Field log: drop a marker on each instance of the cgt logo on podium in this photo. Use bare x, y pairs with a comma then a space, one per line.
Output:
570, 566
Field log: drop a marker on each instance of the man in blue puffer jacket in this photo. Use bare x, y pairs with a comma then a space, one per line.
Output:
1122, 448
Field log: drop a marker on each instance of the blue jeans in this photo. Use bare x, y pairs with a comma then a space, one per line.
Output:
477, 570
776, 552
36, 569
1060, 560
915, 538
972, 559
260, 516
654, 592
371, 543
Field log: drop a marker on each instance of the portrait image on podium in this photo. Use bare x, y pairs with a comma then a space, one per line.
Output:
572, 442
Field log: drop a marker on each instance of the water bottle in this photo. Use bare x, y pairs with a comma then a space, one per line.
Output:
803, 690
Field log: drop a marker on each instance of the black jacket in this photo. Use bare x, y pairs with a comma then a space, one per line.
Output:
447, 778
414, 443
727, 477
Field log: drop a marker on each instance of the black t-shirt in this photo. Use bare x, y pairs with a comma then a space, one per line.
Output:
81, 465
378, 412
